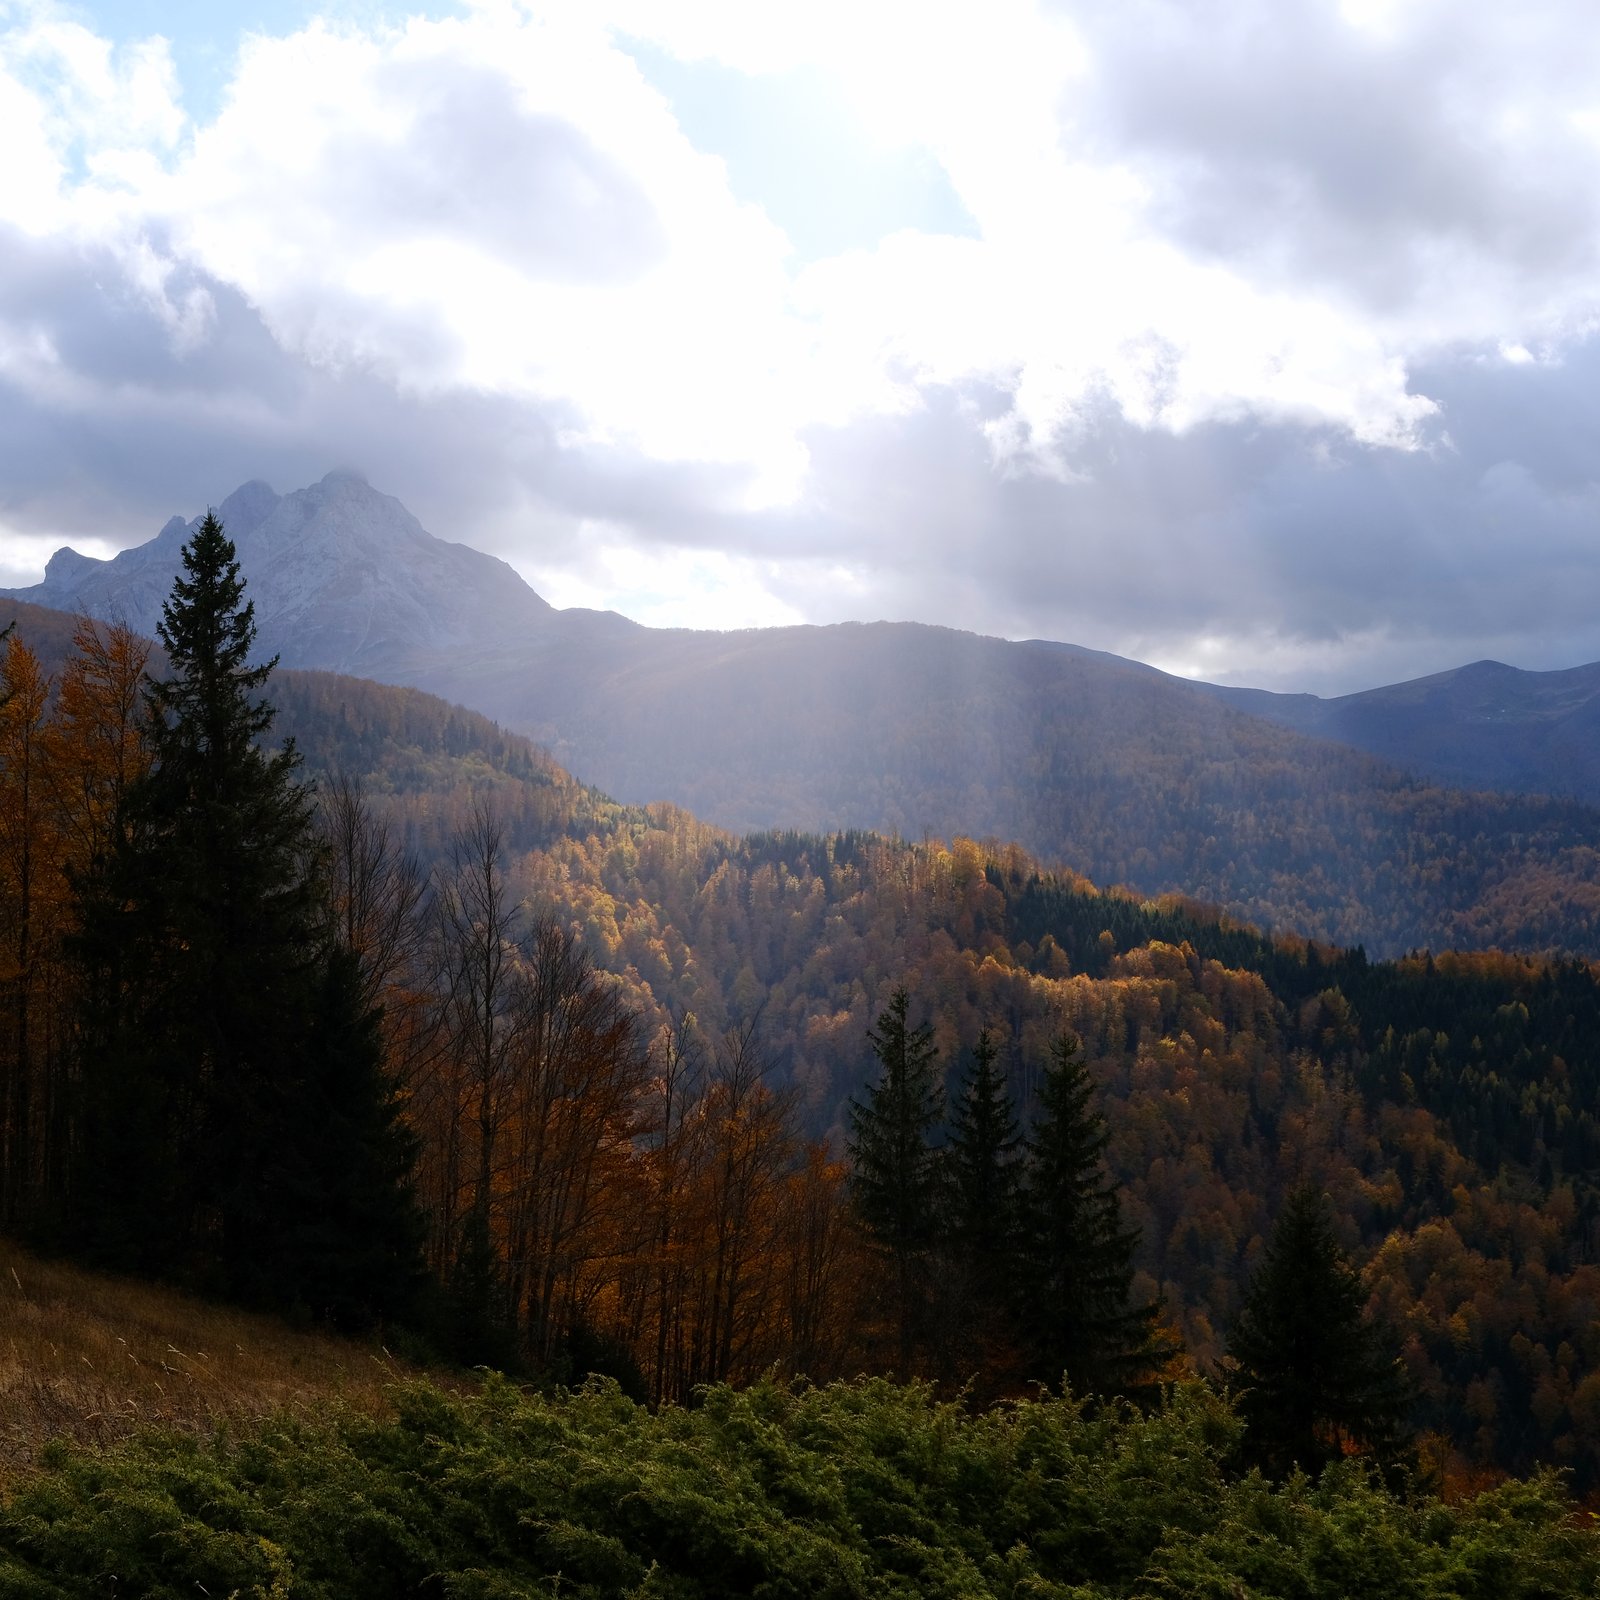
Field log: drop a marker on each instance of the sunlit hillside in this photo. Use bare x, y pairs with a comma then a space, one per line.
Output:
1447, 1104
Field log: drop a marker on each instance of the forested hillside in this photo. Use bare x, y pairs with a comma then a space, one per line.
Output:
1448, 1103
1095, 764
680, 1187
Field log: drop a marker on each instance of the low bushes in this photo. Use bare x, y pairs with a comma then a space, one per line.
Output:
865, 1489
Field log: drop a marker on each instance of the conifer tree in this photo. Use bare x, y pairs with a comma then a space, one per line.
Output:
1074, 1268
215, 1038
341, 1234
896, 1180
982, 1174
227, 836
477, 1330
1315, 1378
981, 1158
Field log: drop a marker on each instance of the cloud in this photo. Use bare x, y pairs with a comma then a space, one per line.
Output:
1074, 290
1433, 164
1260, 341
1252, 553
499, 205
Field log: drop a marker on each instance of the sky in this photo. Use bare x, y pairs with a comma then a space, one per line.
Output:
1257, 339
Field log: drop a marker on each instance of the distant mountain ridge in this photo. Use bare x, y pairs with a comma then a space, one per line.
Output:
345, 578
1482, 726
1108, 766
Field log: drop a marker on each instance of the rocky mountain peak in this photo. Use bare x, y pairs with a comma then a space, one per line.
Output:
342, 577
67, 566
247, 508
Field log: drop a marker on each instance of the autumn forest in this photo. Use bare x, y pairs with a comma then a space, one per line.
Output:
609, 1090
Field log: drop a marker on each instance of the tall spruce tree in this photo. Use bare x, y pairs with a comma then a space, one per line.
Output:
340, 1234
1074, 1268
896, 1183
1316, 1380
981, 1156
220, 1050
982, 1175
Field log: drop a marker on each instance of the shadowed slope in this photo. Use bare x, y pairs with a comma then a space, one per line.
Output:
1483, 726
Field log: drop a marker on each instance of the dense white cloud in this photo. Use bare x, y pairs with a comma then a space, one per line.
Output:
502, 206
23, 555
1257, 352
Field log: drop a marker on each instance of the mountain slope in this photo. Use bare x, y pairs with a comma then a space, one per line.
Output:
1114, 770
1117, 770
1486, 725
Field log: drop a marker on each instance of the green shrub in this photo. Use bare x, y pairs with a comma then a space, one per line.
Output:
854, 1490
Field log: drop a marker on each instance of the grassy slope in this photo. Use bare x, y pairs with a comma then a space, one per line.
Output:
93, 1358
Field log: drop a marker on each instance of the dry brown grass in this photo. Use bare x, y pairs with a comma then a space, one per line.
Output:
91, 1358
